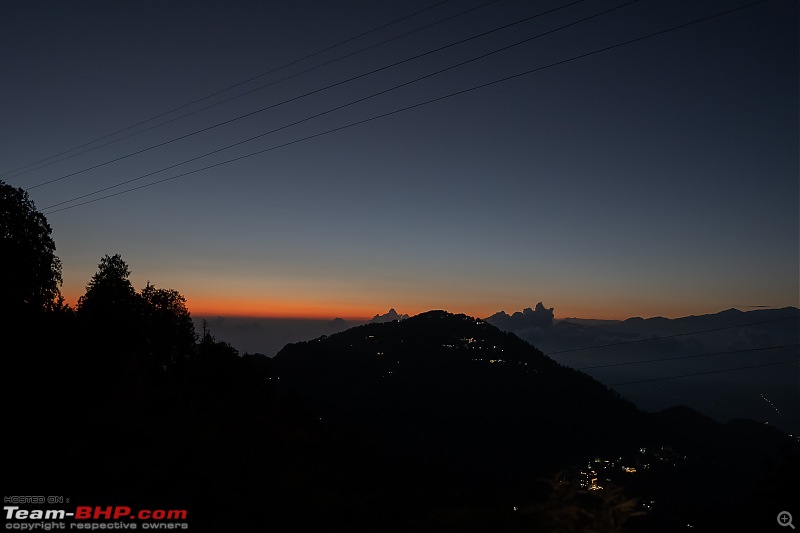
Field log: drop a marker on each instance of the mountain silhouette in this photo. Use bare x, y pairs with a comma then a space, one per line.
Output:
440, 381
455, 395
440, 422
618, 352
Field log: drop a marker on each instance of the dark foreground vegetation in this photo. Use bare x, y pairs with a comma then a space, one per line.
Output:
439, 422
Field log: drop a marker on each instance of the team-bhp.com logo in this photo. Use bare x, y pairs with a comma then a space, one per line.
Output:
87, 517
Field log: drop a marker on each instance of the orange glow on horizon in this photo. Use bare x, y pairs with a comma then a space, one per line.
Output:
327, 311
71, 299
297, 309
200, 306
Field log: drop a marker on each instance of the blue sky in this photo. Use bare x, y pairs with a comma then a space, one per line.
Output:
658, 178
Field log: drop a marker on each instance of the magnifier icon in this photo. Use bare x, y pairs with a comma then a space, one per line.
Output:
785, 519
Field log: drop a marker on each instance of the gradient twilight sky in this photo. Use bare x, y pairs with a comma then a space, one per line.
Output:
657, 178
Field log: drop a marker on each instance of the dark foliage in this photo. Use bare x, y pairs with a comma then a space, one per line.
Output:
29, 269
168, 326
111, 306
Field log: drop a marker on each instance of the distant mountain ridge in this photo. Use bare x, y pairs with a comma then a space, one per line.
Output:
587, 321
434, 358
618, 351
543, 317
453, 399
451, 374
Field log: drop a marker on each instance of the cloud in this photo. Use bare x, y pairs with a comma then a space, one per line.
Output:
388, 317
338, 324
541, 317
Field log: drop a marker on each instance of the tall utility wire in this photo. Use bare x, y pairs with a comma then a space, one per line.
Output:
353, 78
235, 85
239, 95
306, 119
420, 104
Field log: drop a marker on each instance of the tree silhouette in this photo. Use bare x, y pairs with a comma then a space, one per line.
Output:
111, 307
30, 270
210, 347
169, 329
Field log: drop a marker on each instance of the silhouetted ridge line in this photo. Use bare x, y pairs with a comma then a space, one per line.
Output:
238, 84
674, 335
437, 377
407, 108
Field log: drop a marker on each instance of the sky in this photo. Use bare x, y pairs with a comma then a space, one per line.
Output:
657, 178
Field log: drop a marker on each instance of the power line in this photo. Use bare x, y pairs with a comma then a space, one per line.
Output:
348, 80
672, 336
643, 361
231, 87
236, 96
420, 104
702, 373
353, 102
